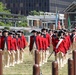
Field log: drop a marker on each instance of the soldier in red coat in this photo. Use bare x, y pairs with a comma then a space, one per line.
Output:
67, 40
33, 41
13, 48
47, 35
17, 55
73, 42
0, 38
44, 47
48, 38
23, 42
39, 44
55, 40
6, 47
60, 49
22, 37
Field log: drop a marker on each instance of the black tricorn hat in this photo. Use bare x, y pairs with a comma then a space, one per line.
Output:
60, 32
43, 29
11, 33
73, 30
55, 31
16, 33
38, 32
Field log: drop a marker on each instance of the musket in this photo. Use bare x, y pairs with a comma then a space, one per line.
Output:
50, 54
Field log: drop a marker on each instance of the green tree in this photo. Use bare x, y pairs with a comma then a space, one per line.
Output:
3, 8
34, 13
2, 24
23, 22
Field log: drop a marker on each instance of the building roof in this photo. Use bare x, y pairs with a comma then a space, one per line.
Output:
45, 17
71, 8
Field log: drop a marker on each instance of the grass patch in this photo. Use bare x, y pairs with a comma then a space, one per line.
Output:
26, 68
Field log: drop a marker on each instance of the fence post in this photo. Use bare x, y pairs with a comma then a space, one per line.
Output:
70, 66
37, 57
1, 65
36, 69
74, 58
55, 68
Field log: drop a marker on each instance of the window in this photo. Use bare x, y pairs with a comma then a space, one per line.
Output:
16, 11
5, 4
16, 4
8, 5
29, 4
11, 4
19, 11
22, 12
21, 4
37, 5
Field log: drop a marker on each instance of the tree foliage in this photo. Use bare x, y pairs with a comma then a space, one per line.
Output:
22, 23
3, 8
34, 12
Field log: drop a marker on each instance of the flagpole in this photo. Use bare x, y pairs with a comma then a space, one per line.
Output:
56, 19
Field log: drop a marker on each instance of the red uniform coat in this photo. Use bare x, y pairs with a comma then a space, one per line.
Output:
19, 43
39, 44
14, 44
48, 39
32, 40
67, 42
0, 42
54, 42
74, 38
23, 39
9, 42
61, 47
44, 43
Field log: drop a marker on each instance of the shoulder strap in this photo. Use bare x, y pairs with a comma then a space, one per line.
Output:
59, 43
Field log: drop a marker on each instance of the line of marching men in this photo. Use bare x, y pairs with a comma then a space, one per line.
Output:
61, 40
40, 41
12, 44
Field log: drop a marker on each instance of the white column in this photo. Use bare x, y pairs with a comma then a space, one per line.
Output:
37, 23
62, 22
31, 22
53, 26
43, 24
46, 24
27, 22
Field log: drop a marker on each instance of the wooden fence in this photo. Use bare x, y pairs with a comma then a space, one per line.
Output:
71, 65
